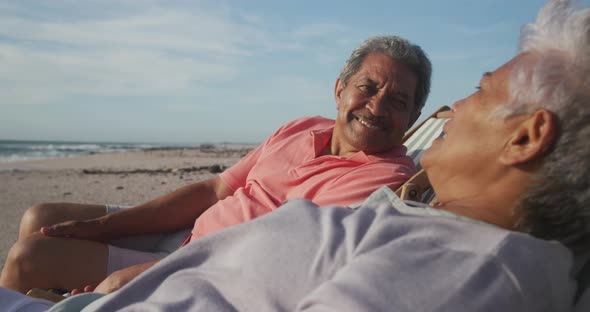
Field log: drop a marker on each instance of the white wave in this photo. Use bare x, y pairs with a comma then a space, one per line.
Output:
66, 147
23, 151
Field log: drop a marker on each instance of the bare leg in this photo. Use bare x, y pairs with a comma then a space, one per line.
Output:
51, 213
49, 262
44, 262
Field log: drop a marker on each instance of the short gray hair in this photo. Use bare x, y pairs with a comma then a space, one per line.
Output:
400, 50
557, 204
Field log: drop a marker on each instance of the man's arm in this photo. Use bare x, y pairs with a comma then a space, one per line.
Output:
173, 211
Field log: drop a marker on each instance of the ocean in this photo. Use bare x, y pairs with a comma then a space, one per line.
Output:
11, 151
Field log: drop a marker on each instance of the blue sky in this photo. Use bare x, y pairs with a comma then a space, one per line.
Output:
213, 71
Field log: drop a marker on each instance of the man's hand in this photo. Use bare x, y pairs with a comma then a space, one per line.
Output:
92, 229
171, 212
120, 278
114, 281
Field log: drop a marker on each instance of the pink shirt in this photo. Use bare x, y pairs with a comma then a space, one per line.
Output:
287, 166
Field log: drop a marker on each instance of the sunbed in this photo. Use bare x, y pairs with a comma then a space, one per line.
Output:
417, 141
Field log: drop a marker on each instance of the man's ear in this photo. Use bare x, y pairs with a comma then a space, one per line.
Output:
338, 87
531, 139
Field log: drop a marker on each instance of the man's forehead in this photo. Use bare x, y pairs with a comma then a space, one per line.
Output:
502, 73
485, 76
522, 59
366, 79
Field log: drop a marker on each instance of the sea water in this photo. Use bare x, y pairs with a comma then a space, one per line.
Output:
11, 151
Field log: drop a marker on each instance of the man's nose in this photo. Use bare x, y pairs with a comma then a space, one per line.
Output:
378, 106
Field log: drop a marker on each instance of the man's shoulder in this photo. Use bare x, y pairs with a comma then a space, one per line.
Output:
309, 123
455, 233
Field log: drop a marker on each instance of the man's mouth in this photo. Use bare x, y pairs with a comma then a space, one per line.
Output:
443, 134
367, 122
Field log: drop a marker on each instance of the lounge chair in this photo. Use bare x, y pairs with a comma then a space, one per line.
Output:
417, 141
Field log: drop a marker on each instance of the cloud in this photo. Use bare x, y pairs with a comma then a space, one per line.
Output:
143, 48
153, 51
105, 73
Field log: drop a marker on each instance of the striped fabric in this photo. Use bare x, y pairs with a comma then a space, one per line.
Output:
419, 142
422, 139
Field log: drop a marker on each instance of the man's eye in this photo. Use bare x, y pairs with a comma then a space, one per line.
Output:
366, 88
477, 88
400, 103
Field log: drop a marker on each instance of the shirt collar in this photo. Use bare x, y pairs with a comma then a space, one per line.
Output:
386, 195
322, 137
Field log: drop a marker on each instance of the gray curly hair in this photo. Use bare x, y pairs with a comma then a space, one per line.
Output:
400, 50
557, 204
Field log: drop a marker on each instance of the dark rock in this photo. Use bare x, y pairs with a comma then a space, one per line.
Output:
216, 169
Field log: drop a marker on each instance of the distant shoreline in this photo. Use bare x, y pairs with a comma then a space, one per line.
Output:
12, 151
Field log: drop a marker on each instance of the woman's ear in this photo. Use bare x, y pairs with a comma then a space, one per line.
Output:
531, 139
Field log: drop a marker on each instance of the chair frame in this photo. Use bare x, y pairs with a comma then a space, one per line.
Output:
414, 188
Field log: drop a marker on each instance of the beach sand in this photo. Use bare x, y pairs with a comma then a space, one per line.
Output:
123, 178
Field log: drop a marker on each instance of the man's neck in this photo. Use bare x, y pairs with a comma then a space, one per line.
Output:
495, 204
336, 149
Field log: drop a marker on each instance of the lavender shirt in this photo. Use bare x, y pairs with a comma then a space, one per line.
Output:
379, 257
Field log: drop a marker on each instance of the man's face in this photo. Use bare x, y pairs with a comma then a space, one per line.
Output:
474, 137
376, 106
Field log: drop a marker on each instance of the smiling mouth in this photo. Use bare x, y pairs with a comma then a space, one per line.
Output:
371, 124
443, 133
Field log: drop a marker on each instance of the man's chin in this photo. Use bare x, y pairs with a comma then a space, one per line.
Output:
427, 158
373, 143
372, 149
435, 145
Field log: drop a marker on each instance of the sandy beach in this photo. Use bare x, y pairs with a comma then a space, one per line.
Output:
121, 178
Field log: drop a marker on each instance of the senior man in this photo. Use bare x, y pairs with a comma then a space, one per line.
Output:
379, 95
511, 175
